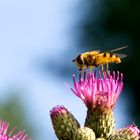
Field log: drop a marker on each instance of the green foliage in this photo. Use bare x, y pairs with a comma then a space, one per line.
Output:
12, 112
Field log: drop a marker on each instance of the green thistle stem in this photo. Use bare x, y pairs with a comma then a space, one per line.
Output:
101, 121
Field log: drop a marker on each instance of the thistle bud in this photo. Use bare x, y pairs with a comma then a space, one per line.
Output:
84, 133
64, 123
129, 133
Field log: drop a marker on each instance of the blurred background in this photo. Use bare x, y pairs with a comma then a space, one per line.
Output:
39, 39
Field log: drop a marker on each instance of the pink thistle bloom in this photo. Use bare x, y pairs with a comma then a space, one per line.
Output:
98, 90
128, 133
57, 110
4, 136
134, 130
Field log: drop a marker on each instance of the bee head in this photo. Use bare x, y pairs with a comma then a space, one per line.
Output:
78, 61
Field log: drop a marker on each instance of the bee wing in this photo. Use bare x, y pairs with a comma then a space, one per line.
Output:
117, 49
97, 50
120, 55
114, 50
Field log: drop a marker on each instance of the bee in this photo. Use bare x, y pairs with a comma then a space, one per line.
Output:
96, 58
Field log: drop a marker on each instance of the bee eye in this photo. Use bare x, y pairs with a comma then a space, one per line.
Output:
79, 60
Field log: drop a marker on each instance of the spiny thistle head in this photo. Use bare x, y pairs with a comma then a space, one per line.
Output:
58, 111
84, 133
64, 123
98, 90
129, 133
100, 139
11, 136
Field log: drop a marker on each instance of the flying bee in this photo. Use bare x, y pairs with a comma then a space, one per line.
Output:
96, 58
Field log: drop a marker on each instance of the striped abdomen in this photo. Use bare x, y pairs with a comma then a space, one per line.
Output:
104, 58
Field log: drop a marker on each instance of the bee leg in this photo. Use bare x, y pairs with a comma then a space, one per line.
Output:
80, 69
107, 66
91, 69
102, 68
86, 67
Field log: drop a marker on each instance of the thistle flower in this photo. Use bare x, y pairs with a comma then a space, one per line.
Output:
99, 93
11, 136
64, 123
129, 133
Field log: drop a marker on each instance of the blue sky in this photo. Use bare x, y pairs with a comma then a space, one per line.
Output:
30, 31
